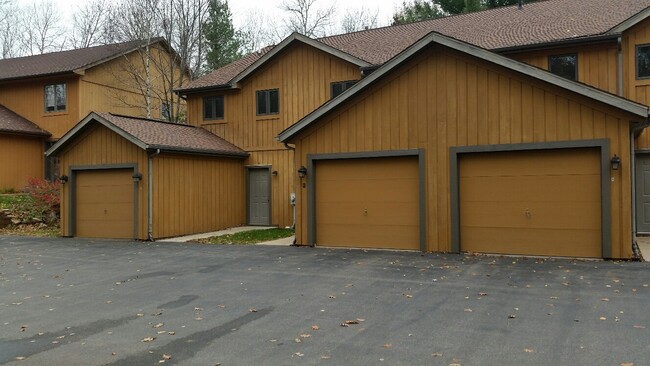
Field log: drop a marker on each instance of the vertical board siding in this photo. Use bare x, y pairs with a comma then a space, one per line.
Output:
452, 99
101, 146
22, 159
26, 98
597, 64
303, 75
197, 194
636, 89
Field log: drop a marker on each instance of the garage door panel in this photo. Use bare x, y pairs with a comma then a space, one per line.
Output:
368, 203
104, 204
549, 215
518, 241
544, 202
554, 188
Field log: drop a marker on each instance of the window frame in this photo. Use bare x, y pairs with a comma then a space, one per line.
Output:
636, 61
575, 55
346, 83
267, 100
213, 107
54, 87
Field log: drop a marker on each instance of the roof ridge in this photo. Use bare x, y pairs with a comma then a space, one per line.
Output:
154, 120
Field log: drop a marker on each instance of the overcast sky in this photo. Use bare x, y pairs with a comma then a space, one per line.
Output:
240, 8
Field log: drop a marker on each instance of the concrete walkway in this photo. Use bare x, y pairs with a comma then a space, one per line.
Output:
232, 230
644, 247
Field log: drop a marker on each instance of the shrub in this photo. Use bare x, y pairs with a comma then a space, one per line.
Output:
44, 203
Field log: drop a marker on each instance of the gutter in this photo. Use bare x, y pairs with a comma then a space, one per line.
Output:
150, 195
555, 44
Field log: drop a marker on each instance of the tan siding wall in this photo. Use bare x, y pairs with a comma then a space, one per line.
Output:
101, 146
442, 99
597, 64
27, 100
21, 159
109, 87
637, 90
303, 76
193, 195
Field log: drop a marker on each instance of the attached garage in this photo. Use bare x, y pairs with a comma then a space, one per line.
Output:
511, 159
531, 202
105, 203
367, 202
133, 178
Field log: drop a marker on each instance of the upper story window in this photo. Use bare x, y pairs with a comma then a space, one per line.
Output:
339, 87
165, 112
643, 61
55, 98
268, 102
565, 66
213, 107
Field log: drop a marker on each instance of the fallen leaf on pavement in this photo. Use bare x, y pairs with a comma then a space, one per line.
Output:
167, 357
528, 350
388, 345
148, 339
315, 327
305, 335
158, 325
436, 354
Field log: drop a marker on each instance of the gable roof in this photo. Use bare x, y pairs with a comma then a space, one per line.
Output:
637, 109
68, 61
150, 135
13, 123
505, 28
231, 74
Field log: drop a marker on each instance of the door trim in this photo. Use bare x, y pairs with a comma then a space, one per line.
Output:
311, 186
248, 193
605, 183
72, 196
638, 181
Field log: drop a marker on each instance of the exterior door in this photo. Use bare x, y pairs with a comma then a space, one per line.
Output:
643, 193
259, 196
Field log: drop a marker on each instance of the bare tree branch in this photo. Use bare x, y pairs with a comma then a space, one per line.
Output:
359, 19
304, 17
88, 22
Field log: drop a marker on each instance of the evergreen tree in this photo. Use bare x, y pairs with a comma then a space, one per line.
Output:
222, 41
417, 10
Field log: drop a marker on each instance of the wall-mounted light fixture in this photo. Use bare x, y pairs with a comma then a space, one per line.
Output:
302, 172
63, 179
616, 162
137, 177
274, 173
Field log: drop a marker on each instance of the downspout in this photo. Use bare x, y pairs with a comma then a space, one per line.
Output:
150, 195
293, 202
620, 66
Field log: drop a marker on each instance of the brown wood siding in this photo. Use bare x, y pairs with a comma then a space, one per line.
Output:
303, 76
197, 194
101, 146
441, 99
21, 159
597, 64
636, 89
368, 203
531, 202
26, 98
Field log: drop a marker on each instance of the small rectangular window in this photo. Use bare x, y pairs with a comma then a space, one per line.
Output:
339, 87
643, 61
565, 66
55, 97
213, 107
268, 102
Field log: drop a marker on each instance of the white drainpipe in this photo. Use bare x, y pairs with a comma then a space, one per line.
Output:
150, 195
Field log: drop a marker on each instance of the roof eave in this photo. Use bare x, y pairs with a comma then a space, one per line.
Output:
28, 134
52, 74
215, 153
205, 89
601, 38
433, 37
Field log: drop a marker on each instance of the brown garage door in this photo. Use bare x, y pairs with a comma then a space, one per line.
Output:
368, 203
104, 204
531, 203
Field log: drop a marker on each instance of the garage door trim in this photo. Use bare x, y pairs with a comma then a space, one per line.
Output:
311, 185
605, 184
72, 196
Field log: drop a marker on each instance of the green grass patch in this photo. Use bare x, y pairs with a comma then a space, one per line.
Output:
248, 237
8, 200
31, 230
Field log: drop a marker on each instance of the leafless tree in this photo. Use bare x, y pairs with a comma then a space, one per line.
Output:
88, 24
359, 19
9, 32
258, 31
41, 28
305, 17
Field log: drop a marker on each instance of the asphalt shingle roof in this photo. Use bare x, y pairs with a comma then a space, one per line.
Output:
11, 122
173, 136
64, 61
505, 27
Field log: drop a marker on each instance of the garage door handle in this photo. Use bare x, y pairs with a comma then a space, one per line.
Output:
528, 213
365, 212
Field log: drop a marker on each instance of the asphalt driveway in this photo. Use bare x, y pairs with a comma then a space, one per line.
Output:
83, 302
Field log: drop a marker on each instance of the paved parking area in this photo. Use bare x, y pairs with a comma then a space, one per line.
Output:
84, 302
